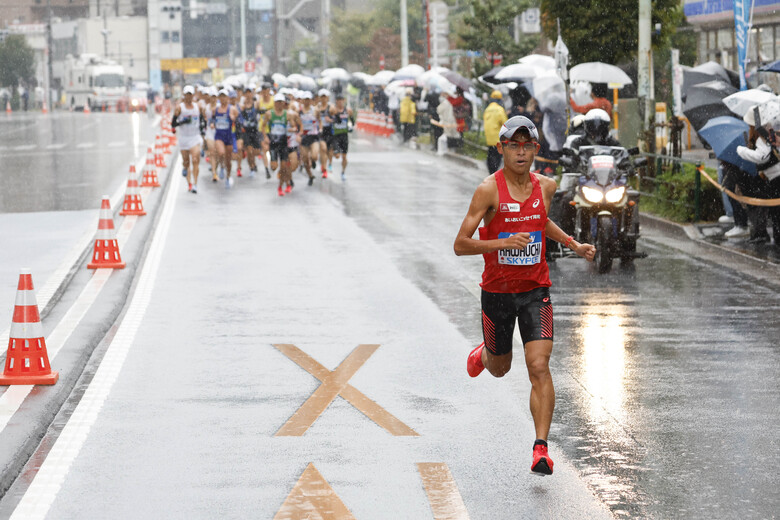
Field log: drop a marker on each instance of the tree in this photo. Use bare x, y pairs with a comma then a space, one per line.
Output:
489, 28
17, 61
606, 30
361, 37
314, 55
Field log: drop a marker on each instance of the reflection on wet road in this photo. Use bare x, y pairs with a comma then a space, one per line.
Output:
71, 159
667, 373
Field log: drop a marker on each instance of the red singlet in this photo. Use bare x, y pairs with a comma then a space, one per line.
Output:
516, 270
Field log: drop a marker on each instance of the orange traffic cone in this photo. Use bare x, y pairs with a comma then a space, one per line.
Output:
106, 252
27, 362
159, 149
44, 109
8, 107
150, 172
133, 204
87, 110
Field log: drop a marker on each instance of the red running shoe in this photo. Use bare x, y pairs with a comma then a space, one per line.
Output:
238, 173
288, 189
474, 364
324, 174
542, 464
281, 192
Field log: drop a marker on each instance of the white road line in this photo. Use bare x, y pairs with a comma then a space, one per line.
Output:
47, 482
85, 145
25, 147
56, 146
55, 280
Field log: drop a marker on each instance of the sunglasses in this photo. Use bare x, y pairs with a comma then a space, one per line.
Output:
528, 146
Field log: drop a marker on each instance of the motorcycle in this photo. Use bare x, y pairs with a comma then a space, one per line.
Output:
595, 204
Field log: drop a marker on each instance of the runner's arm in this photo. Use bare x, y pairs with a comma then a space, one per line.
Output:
481, 203
551, 229
176, 113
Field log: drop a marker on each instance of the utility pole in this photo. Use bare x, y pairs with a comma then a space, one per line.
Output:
645, 73
105, 33
243, 32
404, 36
325, 25
47, 83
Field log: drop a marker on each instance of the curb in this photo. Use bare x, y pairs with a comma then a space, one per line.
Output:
34, 421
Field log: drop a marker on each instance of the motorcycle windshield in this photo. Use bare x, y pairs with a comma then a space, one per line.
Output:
602, 169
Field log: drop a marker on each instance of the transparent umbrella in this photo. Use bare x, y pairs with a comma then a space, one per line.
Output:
335, 74
411, 71
740, 102
598, 72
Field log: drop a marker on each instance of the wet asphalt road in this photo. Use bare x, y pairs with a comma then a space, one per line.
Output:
666, 372
70, 158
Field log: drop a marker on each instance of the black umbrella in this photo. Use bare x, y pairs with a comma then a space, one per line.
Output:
704, 101
490, 76
457, 80
772, 67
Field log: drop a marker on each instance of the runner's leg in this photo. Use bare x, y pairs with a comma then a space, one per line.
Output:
195, 154
537, 359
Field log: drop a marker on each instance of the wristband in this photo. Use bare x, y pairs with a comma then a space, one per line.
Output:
568, 241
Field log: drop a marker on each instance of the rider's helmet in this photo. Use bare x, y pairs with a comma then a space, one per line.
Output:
576, 124
597, 124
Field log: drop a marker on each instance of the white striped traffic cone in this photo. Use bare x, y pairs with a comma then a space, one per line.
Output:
150, 172
106, 250
133, 204
27, 362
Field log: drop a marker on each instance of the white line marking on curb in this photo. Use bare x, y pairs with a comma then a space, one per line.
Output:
47, 482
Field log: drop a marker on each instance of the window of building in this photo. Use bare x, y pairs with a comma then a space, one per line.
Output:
767, 47
165, 36
175, 36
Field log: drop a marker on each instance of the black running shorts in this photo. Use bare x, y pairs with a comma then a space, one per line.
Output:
252, 139
532, 310
340, 143
279, 150
308, 140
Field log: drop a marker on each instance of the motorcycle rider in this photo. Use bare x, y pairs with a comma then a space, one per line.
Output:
596, 125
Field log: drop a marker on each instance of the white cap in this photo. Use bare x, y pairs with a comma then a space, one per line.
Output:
189, 89
324, 92
223, 92
280, 97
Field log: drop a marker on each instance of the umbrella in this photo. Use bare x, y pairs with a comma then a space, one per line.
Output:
411, 71
383, 77
713, 68
302, 82
598, 72
399, 86
336, 73
516, 72
724, 134
769, 112
705, 101
539, 61
280, 79
549, 90
457, 80
772, 67
741, 101
424, 79
490, 76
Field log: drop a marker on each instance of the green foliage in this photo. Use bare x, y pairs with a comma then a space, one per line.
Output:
17, 61
313, 52
489, 27
361, 37
673, 196
606, 30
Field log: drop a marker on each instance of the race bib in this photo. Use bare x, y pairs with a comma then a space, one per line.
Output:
532, 254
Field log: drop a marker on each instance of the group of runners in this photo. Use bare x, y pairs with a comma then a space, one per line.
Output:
288, 129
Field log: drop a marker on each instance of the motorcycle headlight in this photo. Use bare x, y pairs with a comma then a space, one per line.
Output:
592, 195
615, 194
134, 102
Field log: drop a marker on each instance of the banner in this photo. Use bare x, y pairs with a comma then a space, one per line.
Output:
742, 10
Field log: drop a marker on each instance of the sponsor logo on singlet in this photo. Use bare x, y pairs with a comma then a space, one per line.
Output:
536, 203
509, 207
532, 254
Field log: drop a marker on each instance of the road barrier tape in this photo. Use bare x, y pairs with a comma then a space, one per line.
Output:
751, 201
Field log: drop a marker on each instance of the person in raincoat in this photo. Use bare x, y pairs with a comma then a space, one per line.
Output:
493, 117
408, 115
447, 121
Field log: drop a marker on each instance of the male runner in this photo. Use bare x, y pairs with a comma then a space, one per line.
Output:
251, 139
326, 149
277, 120
211, 147
515, 284
223, 121
341, 116
265, 104
310, 138
189, 118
